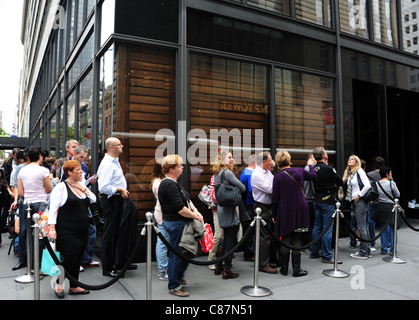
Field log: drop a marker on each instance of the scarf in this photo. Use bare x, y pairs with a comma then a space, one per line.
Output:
349, 190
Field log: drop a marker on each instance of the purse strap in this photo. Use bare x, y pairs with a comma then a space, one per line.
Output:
302, 190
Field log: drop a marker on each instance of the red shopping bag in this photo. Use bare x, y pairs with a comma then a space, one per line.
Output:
208, 241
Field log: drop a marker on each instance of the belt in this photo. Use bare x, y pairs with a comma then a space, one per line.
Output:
326, 197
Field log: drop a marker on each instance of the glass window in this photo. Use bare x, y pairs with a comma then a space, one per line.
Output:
305, 113
236, 36
353, 17
229, 109
85, 110
61, 128
281, 6
384, 16
71, 117
72, 29
409, 25
107, 20
155, 19
106, 96
82, 61
316, 11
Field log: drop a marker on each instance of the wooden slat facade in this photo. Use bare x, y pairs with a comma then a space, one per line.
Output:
145, 86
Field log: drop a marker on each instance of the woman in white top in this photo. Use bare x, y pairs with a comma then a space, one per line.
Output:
33, 184
161, 249
352, 176
69, 222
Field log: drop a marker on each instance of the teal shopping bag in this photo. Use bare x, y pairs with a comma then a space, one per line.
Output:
48, 265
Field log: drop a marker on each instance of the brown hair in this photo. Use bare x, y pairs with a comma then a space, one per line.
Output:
70, 165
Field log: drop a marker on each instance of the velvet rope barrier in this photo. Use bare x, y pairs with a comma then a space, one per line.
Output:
86, 286
205, 263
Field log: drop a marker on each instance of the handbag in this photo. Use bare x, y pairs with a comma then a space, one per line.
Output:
226, 194
372, 193
208, 241
205, 196
48, 266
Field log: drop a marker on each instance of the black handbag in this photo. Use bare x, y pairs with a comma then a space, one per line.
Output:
226, 194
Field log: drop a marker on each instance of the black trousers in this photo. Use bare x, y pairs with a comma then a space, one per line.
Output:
112, 209
265, 233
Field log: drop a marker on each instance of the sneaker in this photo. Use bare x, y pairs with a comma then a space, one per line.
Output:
81, 269
181, 292
211, 267
163, 275
358, 255
91, 264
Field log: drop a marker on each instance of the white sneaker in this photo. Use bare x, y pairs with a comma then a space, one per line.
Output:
358, 255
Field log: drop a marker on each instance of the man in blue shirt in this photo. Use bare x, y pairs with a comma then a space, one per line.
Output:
112, 189
245, 177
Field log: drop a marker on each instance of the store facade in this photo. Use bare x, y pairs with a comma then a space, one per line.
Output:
172, 75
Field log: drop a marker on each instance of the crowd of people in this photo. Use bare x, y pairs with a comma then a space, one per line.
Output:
62, 187
296, 205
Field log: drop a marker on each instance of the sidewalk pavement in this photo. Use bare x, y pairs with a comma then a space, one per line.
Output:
372, 279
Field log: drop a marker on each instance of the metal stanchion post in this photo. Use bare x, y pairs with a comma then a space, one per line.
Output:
255, 290
27, 278
335, 273
148, 230
37, 287
394, 259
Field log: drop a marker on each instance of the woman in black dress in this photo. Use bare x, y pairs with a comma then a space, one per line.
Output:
69, 222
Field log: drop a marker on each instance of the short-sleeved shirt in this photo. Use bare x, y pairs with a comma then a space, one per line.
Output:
32, 177
172, 197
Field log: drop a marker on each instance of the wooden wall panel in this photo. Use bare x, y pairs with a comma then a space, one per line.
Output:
146, 79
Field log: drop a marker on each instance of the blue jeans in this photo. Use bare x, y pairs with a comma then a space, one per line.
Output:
23, 232
90, 248
387, 239
176, 266
372, 209
161, 249
323, 212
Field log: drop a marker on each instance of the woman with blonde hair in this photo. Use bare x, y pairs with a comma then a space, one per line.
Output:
290, 209
227, 216
354, 176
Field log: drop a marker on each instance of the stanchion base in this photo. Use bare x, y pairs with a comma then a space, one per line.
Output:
255, 291
26, 278
394, 260
335, 273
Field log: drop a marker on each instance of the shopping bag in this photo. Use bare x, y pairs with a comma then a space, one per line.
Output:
48, 265
208, 241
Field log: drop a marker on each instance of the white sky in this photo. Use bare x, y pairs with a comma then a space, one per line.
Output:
11, 59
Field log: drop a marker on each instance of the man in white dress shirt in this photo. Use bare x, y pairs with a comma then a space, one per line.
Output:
112, 189
261, 182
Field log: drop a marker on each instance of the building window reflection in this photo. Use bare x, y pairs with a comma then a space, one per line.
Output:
384, 17
305, 113
315, 11
281, 6
85, 110
410, 22
353, 17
